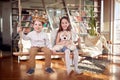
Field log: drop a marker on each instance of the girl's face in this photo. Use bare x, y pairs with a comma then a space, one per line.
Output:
37, 26
64, 24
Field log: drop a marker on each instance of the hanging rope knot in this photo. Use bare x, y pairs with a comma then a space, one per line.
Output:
20, 48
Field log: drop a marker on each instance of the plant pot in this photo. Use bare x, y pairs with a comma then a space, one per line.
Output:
92, 32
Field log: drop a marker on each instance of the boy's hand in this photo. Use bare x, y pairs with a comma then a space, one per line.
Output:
19, 29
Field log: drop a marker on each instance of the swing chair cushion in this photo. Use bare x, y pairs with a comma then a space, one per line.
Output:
93, 46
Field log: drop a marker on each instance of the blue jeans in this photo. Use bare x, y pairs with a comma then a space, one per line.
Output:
63, 49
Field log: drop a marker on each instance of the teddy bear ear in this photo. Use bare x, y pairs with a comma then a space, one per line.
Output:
61, 35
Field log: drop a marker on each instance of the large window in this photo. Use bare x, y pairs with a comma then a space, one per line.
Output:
116, 37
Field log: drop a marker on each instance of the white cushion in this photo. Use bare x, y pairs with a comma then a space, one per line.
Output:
53, 35
26, 45
93, 47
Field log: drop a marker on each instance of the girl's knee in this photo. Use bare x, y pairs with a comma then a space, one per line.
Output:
67, 50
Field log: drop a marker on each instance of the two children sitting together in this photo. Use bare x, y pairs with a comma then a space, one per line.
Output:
40, 42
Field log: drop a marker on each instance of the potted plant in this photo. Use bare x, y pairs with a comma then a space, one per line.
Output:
92, 23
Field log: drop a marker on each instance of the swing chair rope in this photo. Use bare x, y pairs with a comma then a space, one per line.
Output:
19, 25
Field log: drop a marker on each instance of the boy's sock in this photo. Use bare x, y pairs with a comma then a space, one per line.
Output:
49, 70
30, 71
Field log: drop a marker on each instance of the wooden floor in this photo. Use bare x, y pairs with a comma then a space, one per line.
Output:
10, 69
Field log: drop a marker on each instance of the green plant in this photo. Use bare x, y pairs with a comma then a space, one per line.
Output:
92, 23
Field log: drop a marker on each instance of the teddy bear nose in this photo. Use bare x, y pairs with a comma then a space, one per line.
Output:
64, 37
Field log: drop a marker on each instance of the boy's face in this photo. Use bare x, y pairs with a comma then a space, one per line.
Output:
38, 26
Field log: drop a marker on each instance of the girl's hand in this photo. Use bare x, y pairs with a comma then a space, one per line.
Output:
53, 51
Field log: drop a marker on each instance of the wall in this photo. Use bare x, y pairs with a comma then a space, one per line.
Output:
106, 15
107, 18
0, 25
6, 28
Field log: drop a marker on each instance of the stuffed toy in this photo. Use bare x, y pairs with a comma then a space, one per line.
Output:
66, 41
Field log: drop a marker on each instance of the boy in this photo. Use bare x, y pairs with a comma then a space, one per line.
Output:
39, 42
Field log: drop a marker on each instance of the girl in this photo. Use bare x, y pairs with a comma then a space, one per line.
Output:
65, 26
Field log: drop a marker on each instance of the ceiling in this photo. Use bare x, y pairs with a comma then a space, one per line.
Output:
4, 0
39, 3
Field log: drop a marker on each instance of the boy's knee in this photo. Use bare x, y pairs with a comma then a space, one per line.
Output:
47, 50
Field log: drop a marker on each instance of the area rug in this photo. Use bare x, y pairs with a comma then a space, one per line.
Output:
93, 65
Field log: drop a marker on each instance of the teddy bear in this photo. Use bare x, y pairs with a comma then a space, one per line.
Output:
66, 41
